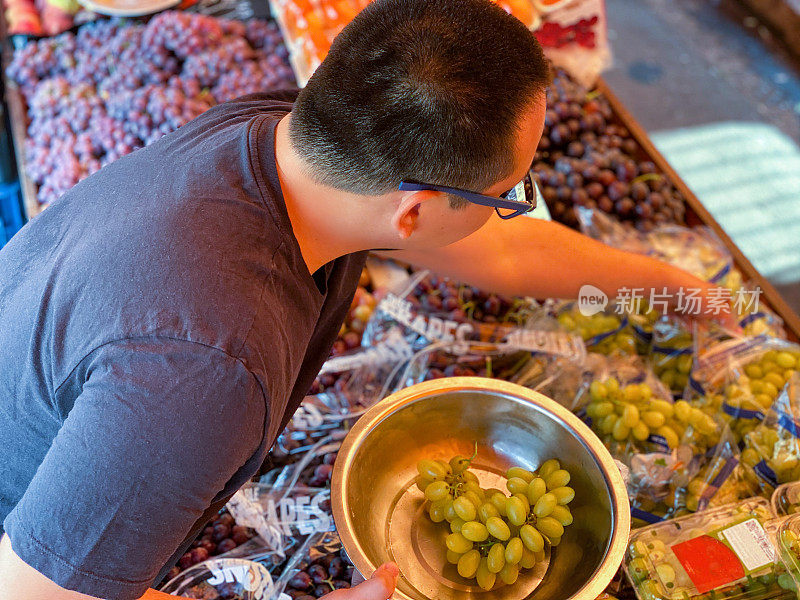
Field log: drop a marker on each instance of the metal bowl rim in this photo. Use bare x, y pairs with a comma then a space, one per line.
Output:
407, 396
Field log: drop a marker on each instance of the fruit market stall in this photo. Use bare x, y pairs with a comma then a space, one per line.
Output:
705, 420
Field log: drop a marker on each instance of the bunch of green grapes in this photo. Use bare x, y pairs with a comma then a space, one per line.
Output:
494, 536
643, 318
778, 448
589, 328
672, 360
740, 483
622, 414
764, 378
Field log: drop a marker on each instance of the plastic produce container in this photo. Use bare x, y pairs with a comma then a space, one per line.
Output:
789, 546
786, 499
721, 553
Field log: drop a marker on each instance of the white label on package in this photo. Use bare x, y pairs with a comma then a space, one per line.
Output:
750, 543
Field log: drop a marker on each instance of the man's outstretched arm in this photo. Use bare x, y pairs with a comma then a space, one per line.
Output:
543, 259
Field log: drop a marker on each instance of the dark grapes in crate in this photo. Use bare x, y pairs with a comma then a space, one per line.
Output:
349, 338
586, 159
503, 366
461, 302
219, 536
324, 570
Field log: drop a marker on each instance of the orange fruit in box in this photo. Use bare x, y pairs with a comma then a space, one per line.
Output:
522, 9
347, 11
315, 19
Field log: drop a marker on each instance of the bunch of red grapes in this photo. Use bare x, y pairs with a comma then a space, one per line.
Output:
461, 302
115, 86
320, 575
219, 536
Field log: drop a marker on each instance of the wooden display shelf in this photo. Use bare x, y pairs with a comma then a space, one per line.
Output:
696, 213
18, 117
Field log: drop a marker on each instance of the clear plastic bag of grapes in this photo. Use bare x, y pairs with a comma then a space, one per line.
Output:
631, 410
740, 377
318, 417
697, 250
671, 353
653, 477
606, 332
284, 516
430, 309
774, 445
753, 316
318, 568
717, 477
660, 479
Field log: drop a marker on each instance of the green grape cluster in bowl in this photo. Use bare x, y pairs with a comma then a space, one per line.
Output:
494, 536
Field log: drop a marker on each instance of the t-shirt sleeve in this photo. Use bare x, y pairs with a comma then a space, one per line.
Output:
158, 430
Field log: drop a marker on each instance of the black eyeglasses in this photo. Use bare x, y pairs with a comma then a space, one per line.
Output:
520, 199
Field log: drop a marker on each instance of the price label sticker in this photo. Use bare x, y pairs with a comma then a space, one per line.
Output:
750, 543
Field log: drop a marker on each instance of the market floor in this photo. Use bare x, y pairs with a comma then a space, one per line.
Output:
723, 106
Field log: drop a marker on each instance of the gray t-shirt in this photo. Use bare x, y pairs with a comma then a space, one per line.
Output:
158, 327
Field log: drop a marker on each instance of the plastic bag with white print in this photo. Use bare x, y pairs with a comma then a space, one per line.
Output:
431, 309
318, 417
371, 374
283, 515
534, 356
740, 377
223, 579
774, 446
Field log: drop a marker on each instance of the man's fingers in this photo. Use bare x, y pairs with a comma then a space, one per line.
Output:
378, 587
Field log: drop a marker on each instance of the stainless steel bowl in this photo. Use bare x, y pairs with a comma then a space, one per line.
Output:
379, 511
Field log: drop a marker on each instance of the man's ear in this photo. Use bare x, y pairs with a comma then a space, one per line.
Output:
405, 216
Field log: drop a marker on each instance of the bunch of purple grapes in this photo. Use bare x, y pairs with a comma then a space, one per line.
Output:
321, 575
221, 535
116, 86
584, 159
461, 302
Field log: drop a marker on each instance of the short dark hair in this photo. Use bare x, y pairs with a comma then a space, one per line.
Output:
423, 90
